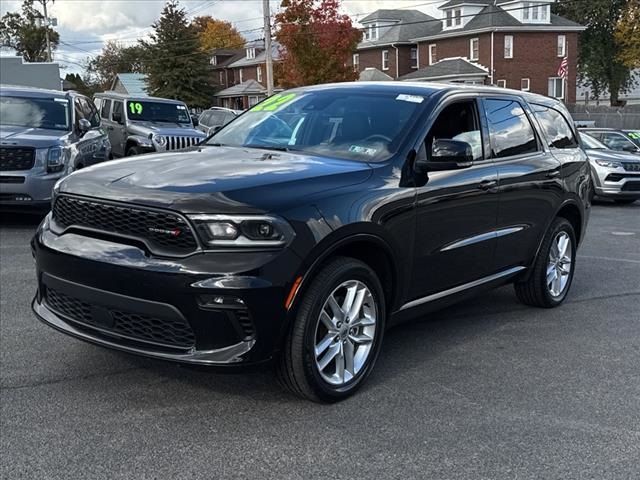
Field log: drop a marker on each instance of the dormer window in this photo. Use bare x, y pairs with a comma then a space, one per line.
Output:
449, 21
534, 13
457, 14
371, 32
214, 60
251, 53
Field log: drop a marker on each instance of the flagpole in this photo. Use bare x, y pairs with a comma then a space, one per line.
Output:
566, 75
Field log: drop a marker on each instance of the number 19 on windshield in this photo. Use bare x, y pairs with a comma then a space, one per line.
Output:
135, 108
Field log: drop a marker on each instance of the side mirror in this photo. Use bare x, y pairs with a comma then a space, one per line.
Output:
630, 148
84, 125
195, 121
215, 129
117, 117
445, 155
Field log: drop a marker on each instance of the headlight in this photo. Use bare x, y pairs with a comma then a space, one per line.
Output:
609, 163
55, 160
159, 139
243, 230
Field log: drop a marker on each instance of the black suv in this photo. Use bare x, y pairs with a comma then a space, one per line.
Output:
310, 224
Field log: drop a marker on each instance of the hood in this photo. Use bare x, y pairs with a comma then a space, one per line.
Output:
164, 128
11, 135
611, 155
217, 179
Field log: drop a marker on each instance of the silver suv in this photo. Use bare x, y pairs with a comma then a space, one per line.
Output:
215, 118
44, 135
138, 125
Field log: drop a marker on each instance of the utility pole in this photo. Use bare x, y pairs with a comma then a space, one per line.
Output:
267, 45
46, 26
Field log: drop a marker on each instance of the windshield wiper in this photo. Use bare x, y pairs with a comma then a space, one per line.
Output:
269, 147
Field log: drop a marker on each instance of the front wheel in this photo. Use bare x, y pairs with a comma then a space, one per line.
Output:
133, 150
335, 338
550, 280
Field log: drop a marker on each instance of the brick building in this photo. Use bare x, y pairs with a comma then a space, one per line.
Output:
241, 74
518, 44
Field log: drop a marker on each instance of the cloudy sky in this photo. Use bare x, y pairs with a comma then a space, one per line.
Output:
84, 25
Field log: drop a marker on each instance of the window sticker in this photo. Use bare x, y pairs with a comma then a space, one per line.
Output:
363, 150
181, 107
274, 103
135, 108
635, 135
410, 98
61, 100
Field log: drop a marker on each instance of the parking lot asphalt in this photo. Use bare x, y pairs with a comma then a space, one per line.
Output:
486, 389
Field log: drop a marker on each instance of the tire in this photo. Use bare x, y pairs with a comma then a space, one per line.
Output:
624, 201
133, 150
300, 370
536, 291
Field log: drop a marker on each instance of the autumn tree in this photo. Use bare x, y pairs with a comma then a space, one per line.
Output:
174, 64
21, 31
627, 35
215, 33
600, 68
113, 59
316, 41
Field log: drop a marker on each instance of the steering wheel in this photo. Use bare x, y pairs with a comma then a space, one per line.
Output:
379, 136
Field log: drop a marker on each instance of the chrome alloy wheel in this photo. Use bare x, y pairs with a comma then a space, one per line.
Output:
345, 332
560, 264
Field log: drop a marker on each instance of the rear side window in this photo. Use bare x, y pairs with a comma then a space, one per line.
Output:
510, 129
204, 118
616, 141
117, 108
106, 109
555, 126
217, 118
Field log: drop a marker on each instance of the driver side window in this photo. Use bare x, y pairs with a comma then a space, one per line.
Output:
460, 122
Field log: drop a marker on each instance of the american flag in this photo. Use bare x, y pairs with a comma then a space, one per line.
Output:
563, 70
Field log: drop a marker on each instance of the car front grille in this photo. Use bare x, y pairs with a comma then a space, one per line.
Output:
631, 187
164, 233
179, 143
164, 332
631, 166
17, 158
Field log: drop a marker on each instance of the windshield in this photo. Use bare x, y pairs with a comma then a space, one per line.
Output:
591, 142
634, 136
157, 112
34, 112
339, 123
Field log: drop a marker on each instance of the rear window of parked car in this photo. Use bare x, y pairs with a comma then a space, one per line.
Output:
510, 129
555, 126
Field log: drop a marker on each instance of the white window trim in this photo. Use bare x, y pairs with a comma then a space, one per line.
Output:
355, 59
564, 46
414, 62
251, 53
508, 54
502, 83
457, 19
528, 82
433, 53
555, 79
385, 52
240, 75
259, 73
471, 57
448, 19
214, 60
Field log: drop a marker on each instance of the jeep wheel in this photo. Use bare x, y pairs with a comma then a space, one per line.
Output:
550, 280
337, 333
133, 150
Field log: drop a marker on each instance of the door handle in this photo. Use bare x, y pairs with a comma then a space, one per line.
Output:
553, 173
487, 184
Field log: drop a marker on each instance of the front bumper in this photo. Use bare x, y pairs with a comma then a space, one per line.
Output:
29, 188
113, 295
615, 182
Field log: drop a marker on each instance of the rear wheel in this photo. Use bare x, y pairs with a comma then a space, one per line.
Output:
336, 336
624, 201
550, 280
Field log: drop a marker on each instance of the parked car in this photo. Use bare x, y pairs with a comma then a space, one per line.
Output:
215, 118
615, 175
139, 125
618, 140
44, 135
303, 229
